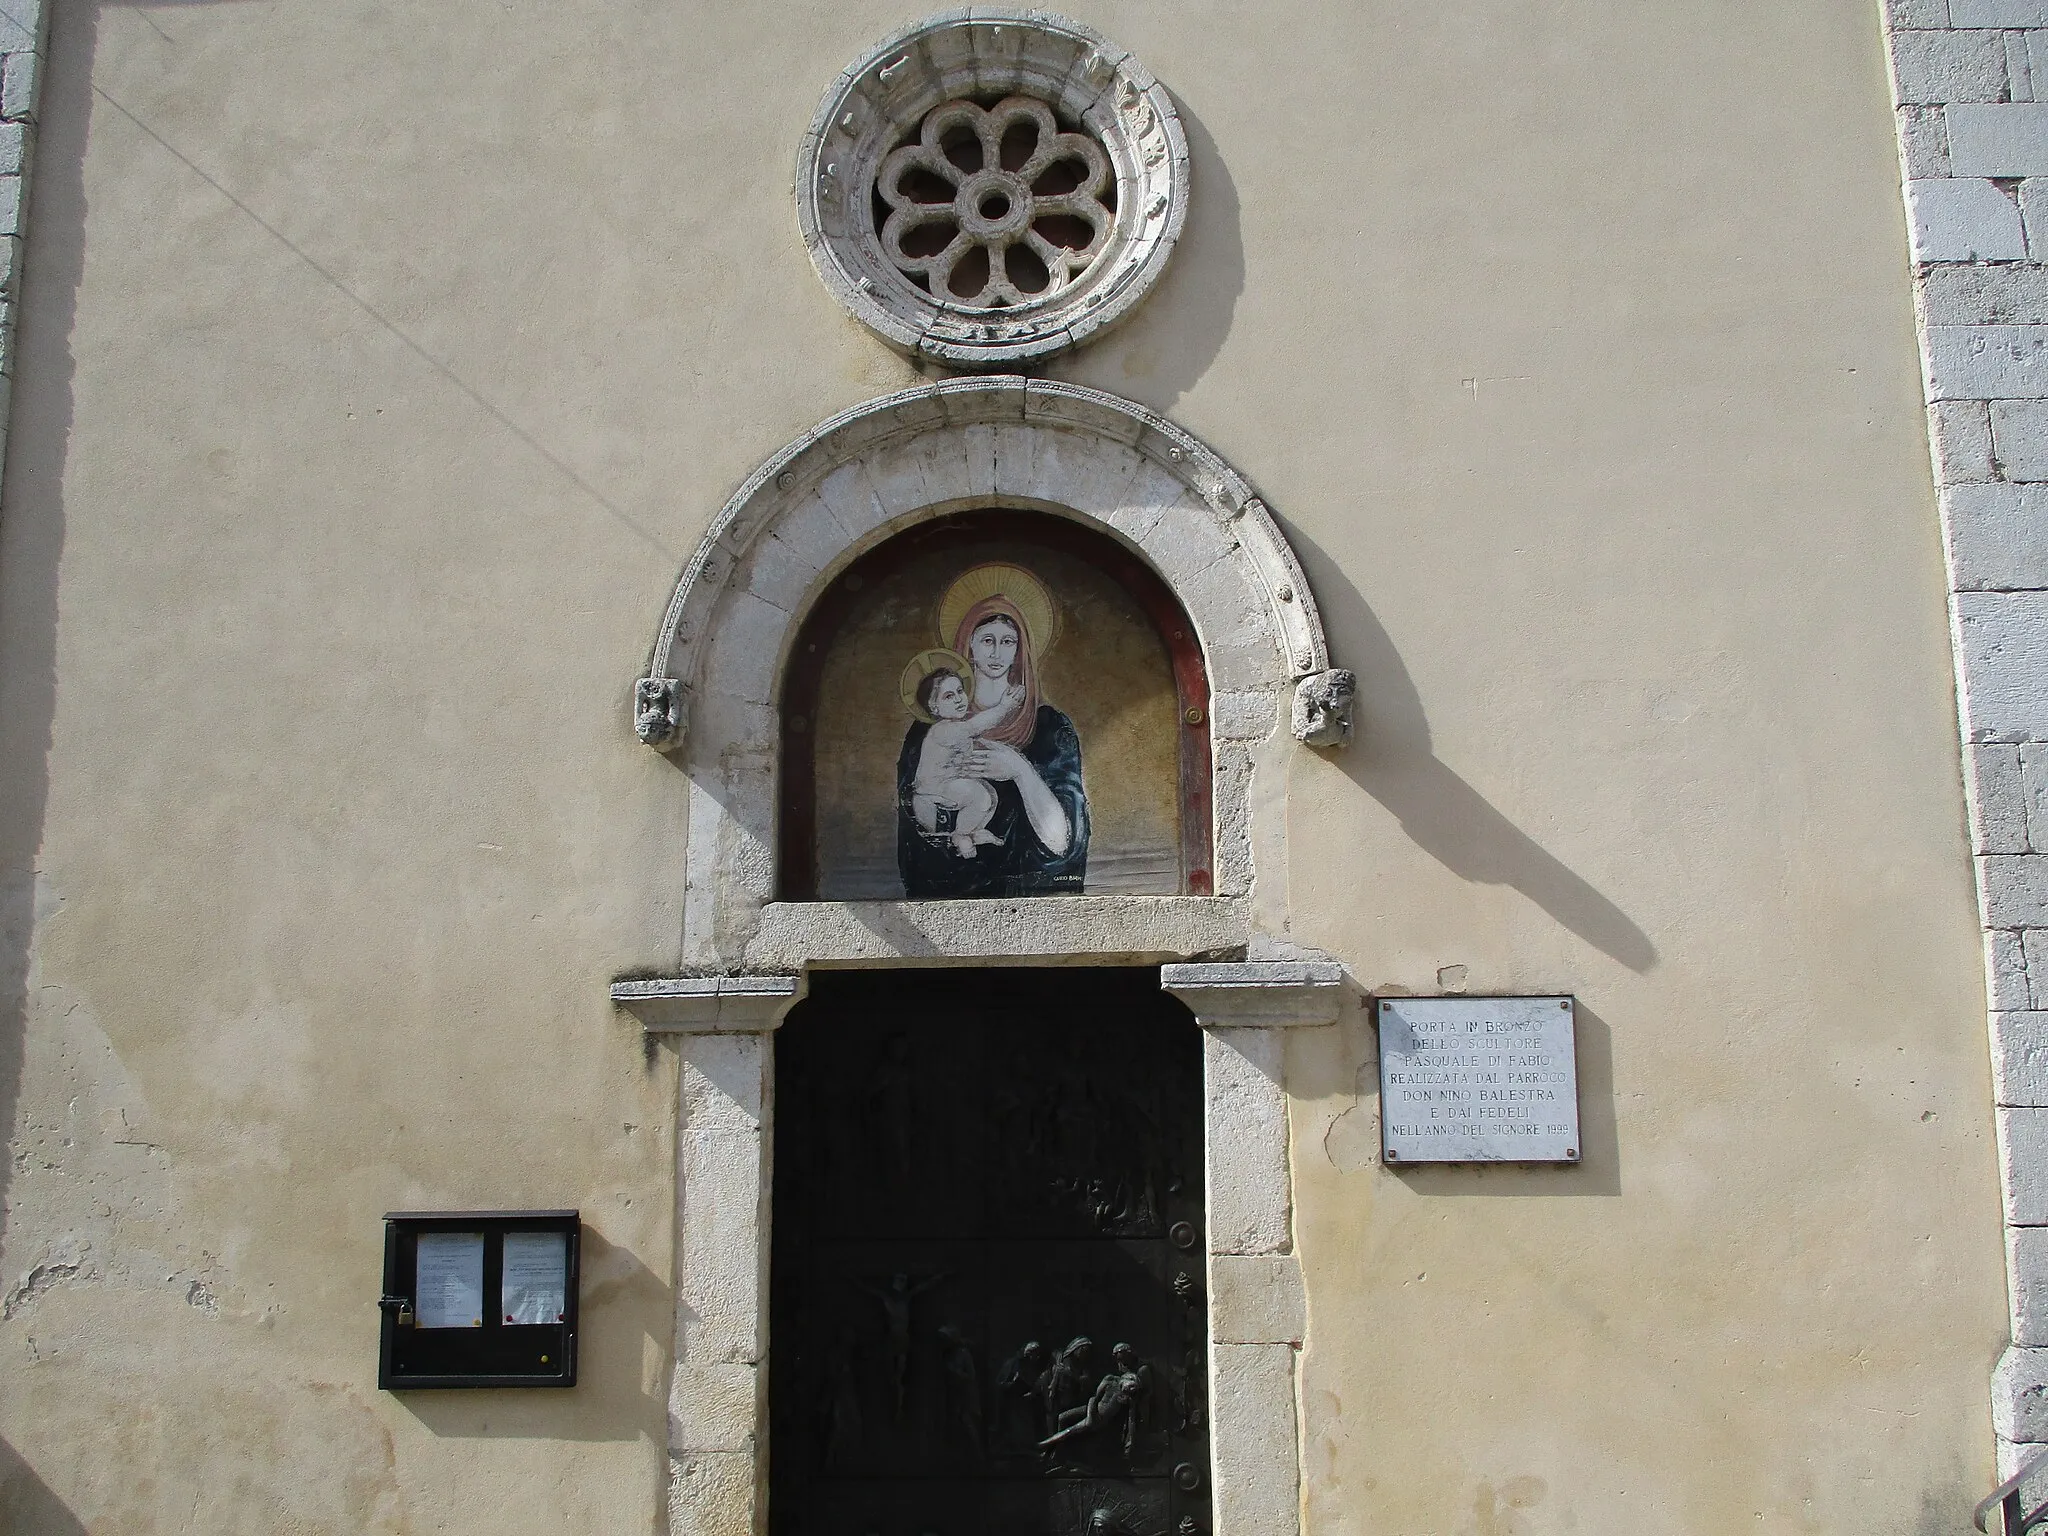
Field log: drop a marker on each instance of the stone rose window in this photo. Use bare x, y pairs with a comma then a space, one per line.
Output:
990, 190
990, 209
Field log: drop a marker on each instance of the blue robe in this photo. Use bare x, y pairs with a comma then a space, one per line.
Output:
1020, 865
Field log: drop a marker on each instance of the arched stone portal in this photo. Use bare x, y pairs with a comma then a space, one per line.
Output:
714, 682
711, 700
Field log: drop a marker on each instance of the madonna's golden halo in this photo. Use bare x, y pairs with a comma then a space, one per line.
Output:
922, 666
1026, 591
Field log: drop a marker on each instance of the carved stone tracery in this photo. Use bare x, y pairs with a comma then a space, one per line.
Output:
1026, 213
1009, 254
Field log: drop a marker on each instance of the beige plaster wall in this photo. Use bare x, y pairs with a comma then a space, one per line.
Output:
379, 367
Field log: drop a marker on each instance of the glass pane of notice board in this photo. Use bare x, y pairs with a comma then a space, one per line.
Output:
479, 1299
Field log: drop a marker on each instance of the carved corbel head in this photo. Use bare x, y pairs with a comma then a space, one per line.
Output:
658, 712
1322, 707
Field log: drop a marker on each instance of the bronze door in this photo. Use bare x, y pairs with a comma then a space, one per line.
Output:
988, 1310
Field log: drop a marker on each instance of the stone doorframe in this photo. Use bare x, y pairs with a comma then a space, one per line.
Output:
711, 702
723, 1031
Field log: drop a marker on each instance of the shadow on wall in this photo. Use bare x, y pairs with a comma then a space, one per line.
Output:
32, 526
1392, 760
1166, 346
26, 1503
615, 1398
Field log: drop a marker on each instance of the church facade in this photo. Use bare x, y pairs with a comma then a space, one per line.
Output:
1164, 769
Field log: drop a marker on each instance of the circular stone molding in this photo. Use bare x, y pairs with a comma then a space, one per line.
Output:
989, 188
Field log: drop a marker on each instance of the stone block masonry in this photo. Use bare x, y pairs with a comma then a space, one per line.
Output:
1970, 88
24, 34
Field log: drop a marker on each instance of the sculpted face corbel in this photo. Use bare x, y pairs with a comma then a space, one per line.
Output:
658, 712
1322, 707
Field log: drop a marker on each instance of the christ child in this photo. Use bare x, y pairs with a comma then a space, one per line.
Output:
942, 779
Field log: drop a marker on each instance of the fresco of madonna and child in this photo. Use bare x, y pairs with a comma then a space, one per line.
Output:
941, 708
989, 794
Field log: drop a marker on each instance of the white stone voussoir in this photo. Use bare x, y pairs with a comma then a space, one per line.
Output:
1998, 791
1963, 219
2001, 294
1987, 362
2023, 1147
1964, 445
2019, 1395
2027, 1281
1998, 13
2002, 638
1997, 139
2019, 1060
1998, 536
1916, 13
2033, 202
2019, 437
1944, 66
2033, 943
1923, 141
2005, 969
2014, 889
2032, 757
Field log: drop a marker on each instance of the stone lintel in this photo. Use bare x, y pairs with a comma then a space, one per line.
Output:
705, 1005
1026, 930
1258, 994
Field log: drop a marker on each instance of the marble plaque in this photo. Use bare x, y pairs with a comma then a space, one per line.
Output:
1478, 1080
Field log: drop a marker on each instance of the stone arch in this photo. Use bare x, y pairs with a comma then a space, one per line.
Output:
711, 692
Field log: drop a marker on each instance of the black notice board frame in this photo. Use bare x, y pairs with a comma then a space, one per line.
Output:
495, 1354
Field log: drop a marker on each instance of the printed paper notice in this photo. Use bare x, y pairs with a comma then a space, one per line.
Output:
449, 1280
535, 1287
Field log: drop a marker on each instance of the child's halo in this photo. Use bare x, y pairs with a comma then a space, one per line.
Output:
922, 666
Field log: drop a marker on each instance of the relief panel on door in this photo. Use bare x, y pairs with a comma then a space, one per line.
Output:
988, 1306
